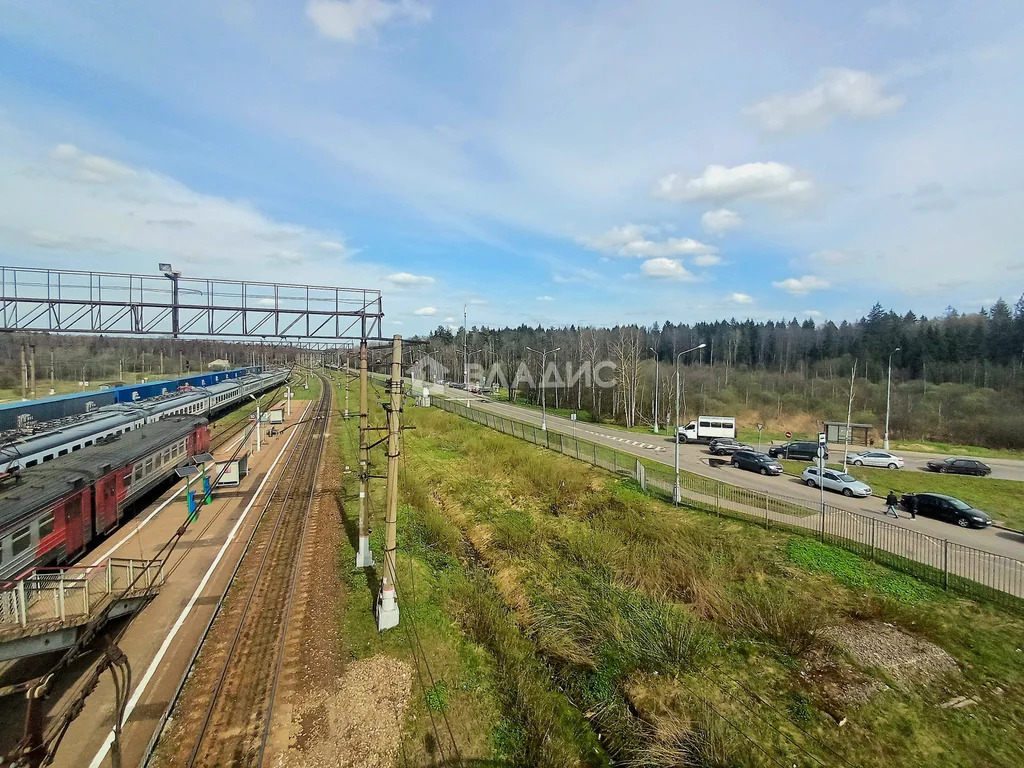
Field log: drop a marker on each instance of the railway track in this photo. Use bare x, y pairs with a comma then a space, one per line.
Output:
224, 713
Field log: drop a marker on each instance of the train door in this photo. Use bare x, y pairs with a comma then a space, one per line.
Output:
74, 524
105, 503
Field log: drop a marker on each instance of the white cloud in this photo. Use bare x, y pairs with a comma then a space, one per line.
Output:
545, 298
799, 286
893, 14
407, 279
720, 220
741, 298
757, 181
707, 260
831, 257
668, 269
634, 240
575, 275
85, 167
425, 311
67, 201
348, 20
838, 93
812, 313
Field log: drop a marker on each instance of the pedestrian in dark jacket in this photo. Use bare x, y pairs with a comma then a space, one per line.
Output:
911, 501
890, 504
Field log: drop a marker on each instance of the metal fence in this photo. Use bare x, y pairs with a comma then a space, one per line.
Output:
62, 594
947, 564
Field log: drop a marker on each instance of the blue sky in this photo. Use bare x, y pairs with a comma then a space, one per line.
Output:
570, 162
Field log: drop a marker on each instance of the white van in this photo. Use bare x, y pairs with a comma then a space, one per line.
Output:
707, 428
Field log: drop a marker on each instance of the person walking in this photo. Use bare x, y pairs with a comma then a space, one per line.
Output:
890, 504
910, 500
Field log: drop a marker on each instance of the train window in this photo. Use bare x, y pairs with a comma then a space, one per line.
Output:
128, 480
21, 540
47, 457
31, 463
138, 471
76, 447
149, 465
88, 443
46, 525
63, 453
165, 456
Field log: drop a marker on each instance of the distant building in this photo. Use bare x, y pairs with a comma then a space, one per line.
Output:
219, 365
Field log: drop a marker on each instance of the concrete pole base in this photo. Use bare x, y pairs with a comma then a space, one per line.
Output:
364, 557
676, 495
387, 610
346, 413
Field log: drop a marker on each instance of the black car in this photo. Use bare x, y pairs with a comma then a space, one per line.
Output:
756, 462
957, 466
947, 508
722, 446
805, 451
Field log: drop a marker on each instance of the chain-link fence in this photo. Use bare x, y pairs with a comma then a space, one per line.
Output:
969, 571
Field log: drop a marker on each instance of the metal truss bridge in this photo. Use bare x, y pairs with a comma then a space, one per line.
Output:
73, 301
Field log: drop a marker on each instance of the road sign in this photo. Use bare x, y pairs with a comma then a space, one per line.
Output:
760, 427
821, 438
573, 417
789, 435
821, 451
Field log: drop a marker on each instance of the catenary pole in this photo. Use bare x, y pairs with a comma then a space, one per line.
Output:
387, 602
888, 393
364, 557
675, 486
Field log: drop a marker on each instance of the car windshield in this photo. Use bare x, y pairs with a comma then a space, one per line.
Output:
848, 478
957, 504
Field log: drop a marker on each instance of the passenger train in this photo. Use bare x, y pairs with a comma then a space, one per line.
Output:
50, 513
115, 420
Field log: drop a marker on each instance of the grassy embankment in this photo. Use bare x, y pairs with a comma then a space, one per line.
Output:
1000, 498
569, 620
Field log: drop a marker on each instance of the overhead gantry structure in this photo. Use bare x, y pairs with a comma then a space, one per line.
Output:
170, 304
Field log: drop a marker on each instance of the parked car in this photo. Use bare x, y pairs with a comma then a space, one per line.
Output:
958, 466
948, 508
876, 459
806, 451
756, 462
722, 446
834, 480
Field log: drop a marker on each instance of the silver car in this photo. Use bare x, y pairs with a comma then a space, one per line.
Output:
835, 480
882, 459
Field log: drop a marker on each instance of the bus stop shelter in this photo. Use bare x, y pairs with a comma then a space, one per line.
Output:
860, 434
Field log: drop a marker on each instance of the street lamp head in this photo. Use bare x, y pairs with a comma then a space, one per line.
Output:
701, 345
896, 350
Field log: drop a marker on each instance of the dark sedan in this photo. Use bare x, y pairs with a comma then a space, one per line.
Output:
947, 508
756, 462
958, 466
721, 446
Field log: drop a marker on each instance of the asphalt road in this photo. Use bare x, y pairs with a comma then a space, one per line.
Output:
694, 458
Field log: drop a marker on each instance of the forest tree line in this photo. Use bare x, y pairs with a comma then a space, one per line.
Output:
957, 377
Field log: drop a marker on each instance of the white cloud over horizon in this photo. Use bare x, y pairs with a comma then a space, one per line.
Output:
800, 286
349, 20
720, 220
665, 269
408, 280
838, 93
771, 181
426, 312
634, 240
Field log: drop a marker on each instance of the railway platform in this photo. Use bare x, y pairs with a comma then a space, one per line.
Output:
162, 638
46, 609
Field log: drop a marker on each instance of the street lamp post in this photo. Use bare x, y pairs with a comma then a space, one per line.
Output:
888, 393
543, 368
675, 487
657, 363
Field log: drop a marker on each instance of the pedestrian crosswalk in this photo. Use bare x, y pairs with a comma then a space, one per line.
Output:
625, 440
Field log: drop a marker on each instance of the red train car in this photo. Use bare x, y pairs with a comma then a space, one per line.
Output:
50, 513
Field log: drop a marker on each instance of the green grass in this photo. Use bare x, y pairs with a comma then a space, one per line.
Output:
948, 449
1003, 500
600, 605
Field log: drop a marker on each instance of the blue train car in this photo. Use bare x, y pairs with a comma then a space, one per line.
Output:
76, 403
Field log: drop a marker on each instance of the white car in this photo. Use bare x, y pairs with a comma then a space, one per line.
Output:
835, 480
882, 459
